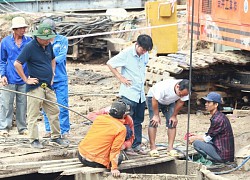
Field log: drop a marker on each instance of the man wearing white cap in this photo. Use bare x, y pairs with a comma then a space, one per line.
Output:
11, 46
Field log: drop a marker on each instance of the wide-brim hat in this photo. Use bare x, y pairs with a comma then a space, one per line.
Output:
18, 22
44, 31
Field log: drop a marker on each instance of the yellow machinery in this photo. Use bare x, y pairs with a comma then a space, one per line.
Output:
161, 13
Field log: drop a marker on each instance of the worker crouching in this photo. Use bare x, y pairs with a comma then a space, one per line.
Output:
102, 145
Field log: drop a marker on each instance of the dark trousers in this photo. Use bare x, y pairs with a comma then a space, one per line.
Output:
137, 113
95, 164
207, 149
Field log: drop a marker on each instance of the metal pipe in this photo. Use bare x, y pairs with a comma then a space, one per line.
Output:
190, 81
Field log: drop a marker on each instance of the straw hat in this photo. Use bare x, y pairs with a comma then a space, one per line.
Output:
18, 22
44, 31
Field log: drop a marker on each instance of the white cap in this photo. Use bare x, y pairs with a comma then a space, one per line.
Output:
18, 22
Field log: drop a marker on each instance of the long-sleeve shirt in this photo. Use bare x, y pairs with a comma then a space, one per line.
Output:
8, 55
104, 140
222, 136
128, 121
60, 49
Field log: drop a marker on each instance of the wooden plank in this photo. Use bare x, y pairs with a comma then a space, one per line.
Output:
17, 173
154, 160
37, 164
73, 171
93, 170
241, 113
83, 170
60, 165
58, 169
27, 152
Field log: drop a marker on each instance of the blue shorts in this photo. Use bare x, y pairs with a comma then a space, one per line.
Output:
167, 111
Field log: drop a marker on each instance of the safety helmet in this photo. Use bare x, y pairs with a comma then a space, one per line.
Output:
50, 22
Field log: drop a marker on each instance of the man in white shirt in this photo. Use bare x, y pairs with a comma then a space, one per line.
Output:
168, 96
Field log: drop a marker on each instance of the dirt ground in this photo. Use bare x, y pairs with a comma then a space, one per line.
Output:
88, 97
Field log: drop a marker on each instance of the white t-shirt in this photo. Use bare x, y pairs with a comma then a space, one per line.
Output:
164, 93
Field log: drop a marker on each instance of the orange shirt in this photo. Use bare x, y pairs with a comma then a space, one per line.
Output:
128, 120
104, 140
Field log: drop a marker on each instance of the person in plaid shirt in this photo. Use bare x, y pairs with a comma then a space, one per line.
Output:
218, 142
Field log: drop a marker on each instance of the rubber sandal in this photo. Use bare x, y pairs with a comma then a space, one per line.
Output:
154, 153
173, 153
130, 152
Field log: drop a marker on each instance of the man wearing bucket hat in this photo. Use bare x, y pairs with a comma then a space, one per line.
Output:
41, 68
60, 84
11, 46
102, 145
218, 142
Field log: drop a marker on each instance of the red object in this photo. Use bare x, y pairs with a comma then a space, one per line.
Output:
188, 135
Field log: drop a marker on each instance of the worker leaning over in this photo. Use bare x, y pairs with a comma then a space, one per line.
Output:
128, 122
133, 61
11, 46
167, 96
40, 59
218, 143
60, 84
102, 145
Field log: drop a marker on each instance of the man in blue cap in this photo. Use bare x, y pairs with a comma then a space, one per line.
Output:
218, 142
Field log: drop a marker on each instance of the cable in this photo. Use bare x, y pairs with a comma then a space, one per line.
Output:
231, 170
46, 101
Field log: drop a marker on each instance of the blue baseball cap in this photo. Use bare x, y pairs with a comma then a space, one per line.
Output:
214, 97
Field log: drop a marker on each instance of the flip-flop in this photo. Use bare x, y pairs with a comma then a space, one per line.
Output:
154, 153
173, 153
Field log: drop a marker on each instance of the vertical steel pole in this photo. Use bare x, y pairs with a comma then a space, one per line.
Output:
190, 81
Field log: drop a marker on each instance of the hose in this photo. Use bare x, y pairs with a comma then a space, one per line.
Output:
234, 169
17, 92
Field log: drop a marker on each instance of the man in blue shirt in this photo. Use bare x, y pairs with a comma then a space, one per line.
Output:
11, 46
60, 85
41, 68
133, 61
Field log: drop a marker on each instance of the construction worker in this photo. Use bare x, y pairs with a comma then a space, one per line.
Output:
41, 69
11, 46
162, 96
133, 61
102, 145
60, 84
217, 144
128, 124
